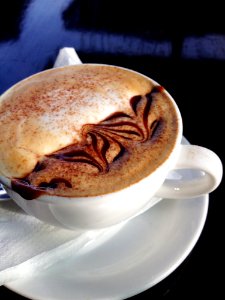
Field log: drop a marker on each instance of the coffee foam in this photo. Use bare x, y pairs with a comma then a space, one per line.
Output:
70, 110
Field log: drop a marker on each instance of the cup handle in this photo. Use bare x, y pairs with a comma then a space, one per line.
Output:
198, 158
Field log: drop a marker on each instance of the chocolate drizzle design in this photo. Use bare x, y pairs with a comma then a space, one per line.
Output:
102, 145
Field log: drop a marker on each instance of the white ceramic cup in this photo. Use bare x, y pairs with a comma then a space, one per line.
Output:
110, 209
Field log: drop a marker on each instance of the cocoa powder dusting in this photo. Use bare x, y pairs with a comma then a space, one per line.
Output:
103, 148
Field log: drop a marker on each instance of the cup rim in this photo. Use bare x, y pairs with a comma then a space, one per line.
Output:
50, 198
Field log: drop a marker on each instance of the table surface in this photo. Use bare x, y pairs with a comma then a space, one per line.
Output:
188, 62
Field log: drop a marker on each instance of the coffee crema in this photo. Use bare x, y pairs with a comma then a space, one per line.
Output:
84, 131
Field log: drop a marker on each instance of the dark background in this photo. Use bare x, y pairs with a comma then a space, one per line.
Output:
182, 47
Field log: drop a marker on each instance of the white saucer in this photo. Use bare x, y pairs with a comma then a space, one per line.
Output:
144, 251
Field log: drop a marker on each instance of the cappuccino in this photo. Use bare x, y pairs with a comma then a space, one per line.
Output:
84, 130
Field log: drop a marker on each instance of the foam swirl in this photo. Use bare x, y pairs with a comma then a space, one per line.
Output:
102, 145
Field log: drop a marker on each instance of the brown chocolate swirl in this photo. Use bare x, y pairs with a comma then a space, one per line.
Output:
101, 146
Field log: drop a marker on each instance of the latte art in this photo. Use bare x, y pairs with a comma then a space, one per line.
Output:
102, 144
99, 157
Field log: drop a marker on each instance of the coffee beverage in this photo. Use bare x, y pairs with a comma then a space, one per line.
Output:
84, 130
92, 146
